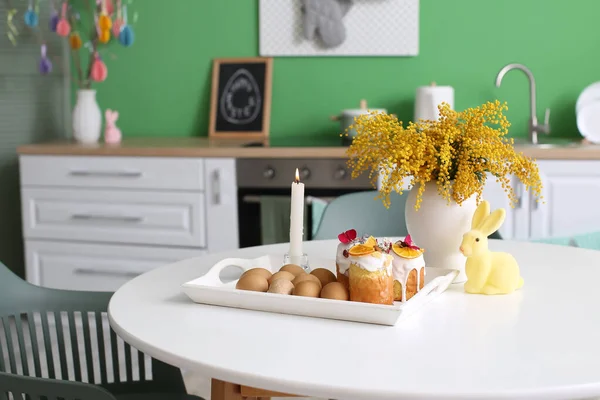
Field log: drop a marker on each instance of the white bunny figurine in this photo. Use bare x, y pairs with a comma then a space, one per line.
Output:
488, 272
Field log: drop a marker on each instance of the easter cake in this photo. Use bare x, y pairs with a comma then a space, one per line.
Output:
363, 266
370, 276
408, 268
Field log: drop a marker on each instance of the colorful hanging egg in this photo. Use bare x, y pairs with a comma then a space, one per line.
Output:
116, 28
110, 9
99, 71
104, 22
54, 18
104, 36
75, 41
63, 28
45, 65
31, 18
126, 37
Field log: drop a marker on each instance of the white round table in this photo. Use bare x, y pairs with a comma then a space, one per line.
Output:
542, 342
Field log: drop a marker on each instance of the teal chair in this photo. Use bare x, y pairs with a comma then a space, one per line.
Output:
363, 212
64, 336
25, 387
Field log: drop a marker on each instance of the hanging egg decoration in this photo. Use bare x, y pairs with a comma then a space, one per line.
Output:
110, 9
75, 41
104, 22
99, 72
116, 28
126, 37
31, 17
104, 36
63, 28
54, 18
118, 22
45, 63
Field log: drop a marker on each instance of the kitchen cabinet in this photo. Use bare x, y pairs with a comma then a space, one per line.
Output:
571, 189
571, 192
94, 222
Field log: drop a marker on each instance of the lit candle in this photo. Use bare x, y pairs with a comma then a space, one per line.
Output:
296, 217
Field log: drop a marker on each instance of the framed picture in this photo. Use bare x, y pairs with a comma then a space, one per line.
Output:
241, 98
304, 28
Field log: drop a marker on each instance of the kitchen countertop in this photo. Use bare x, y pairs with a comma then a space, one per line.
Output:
277, 148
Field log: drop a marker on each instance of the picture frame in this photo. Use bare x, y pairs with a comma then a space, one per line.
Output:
241, 93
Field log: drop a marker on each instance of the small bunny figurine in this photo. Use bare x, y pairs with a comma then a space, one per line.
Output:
112, 134
488, 272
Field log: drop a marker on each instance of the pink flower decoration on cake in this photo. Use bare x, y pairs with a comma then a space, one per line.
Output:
410, 244
348, 236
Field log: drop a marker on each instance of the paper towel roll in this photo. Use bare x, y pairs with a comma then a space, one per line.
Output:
429, 97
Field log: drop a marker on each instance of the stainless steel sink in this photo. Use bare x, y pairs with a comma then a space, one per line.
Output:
549, 143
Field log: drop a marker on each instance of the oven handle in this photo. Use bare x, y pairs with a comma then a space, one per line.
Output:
256, 199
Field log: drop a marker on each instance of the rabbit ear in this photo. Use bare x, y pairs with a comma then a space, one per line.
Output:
482, 211
116, 115
492, 222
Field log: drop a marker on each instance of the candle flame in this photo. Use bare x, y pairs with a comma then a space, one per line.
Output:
297, 178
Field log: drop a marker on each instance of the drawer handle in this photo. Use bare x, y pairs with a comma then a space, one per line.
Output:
84, 271
216, 183
113, 174
115, 218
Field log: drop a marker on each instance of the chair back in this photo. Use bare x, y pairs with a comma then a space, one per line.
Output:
65, 334
363, 212
25, 387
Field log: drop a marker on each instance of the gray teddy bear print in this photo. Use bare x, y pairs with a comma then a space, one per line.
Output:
324, 18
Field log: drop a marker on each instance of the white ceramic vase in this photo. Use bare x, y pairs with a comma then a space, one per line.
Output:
87, 117
438, 228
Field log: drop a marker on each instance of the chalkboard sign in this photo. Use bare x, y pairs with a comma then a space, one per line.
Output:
241, 97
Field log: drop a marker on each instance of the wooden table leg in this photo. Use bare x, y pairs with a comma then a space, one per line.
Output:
221, 390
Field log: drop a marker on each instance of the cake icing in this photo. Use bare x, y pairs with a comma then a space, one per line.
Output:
407, 257
341, 260
375, 261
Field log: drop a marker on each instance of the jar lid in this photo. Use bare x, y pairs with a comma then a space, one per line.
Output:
358, 111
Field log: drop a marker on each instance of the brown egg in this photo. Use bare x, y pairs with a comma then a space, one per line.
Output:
253, 282
265, 273
306, 277
324, 275
307, 289
293, 268
281, 275
335, 291
281, 286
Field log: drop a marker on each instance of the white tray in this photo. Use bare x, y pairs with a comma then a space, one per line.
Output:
210, 289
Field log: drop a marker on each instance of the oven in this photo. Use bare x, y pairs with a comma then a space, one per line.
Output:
264, 186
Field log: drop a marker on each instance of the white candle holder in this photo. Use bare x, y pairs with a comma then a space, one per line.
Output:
298, 260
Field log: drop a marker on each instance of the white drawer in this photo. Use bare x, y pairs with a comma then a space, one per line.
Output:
112, 172
162, 218
96, 267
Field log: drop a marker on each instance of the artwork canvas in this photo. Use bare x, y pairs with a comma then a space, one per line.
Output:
241, 97
339, 27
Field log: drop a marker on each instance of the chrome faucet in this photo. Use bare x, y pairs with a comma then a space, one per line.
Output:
534, 127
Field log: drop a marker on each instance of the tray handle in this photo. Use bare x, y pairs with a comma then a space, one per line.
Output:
243, 263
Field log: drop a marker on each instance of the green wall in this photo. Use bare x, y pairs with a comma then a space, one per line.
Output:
161, 85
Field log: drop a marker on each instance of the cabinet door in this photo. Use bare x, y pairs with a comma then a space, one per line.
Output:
99, 267
570, 205
516, 224
221, 204
114, 216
